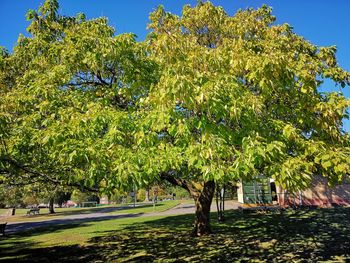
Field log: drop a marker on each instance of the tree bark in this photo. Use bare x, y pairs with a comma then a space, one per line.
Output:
203, 201
217, 202
147, 195
51, 206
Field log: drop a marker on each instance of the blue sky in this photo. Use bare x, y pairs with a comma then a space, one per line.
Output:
323, 23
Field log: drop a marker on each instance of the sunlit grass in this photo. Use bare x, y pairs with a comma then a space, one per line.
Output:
149, 208
21, 214
293, 236
44, 211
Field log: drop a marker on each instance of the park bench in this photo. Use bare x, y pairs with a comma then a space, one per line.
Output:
33, 211
2, 228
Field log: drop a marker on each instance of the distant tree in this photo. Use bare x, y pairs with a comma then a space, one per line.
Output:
179, 193
141, 195
117, 196
79, 197
58, 195
11, 197
61, 197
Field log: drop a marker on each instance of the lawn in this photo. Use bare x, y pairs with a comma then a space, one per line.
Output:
108, 210
43, 211
304, 235
59, 211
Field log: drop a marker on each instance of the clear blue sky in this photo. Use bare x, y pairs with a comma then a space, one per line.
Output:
323, 22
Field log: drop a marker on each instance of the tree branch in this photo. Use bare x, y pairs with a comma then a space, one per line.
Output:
36, 174
179, 182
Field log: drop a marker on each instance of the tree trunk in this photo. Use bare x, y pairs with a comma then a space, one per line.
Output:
203, 201
217, 203
222, 203
147, 195
51, 207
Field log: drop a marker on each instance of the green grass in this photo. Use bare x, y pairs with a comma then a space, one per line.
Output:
109, 210
23, 211
149, 208
301, 236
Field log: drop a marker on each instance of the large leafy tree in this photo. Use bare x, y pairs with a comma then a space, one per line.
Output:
238, 96
68, 93
206, 98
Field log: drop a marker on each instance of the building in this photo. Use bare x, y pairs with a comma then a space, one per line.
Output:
255, 192
319, 194
264, 191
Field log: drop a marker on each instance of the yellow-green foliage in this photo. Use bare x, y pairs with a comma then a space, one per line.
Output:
207, 96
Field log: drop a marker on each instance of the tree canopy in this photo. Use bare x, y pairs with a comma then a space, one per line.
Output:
206, 98
67, 95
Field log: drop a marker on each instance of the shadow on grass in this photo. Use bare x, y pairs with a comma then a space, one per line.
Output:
70, 216
79, 211
24, 227
305, 235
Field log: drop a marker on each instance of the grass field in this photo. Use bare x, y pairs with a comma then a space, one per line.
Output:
43, 211
301, 236
111, 209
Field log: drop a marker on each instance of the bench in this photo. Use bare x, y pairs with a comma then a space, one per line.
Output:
33, 211
2, 228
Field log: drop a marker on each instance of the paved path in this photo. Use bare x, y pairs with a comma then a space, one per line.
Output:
103, 215
190, 208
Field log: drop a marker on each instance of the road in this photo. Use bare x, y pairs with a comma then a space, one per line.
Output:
104, 215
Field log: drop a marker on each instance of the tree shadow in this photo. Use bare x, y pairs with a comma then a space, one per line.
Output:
303, 235
110, 209
22, 227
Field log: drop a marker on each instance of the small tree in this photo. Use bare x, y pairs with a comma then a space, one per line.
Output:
79, 197
11, 196
61, 197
